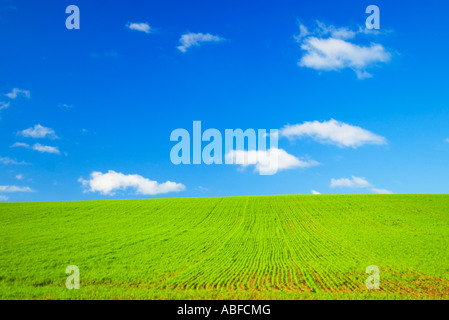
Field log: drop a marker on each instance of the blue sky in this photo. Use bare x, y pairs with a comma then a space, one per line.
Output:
105, 98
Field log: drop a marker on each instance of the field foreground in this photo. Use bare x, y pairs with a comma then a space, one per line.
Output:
270, 247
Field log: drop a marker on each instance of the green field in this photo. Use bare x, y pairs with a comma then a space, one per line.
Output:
269, 247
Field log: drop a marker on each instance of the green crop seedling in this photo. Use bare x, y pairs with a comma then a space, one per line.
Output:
266, 247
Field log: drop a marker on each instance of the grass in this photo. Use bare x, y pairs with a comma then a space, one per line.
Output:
270, 247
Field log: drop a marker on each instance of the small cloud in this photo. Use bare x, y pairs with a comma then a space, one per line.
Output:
38, 131
353, 182
357, 182
381, 191
37, 147
18, 92
142, 26
267, 162
363, 74
447, 140
6, 160
45, 149
3, 198
201, 189
20, 144
332, 132
19, 176
110, 182
12, 189
326, 49
335, 54
65, 106
195, 39
4, 105
315, 192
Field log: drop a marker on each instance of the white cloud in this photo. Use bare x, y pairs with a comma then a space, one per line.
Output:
267, 162
315, 192
38, 131
3, 198
18, 92
332, 132
19, 176
45, 149
6, 160
37, 147
20, 144
110, 182
334, 54
353, 182
327, 49
139, 26
195, 39
381, 191
447, 140
357, 182
15, 189
4, 105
